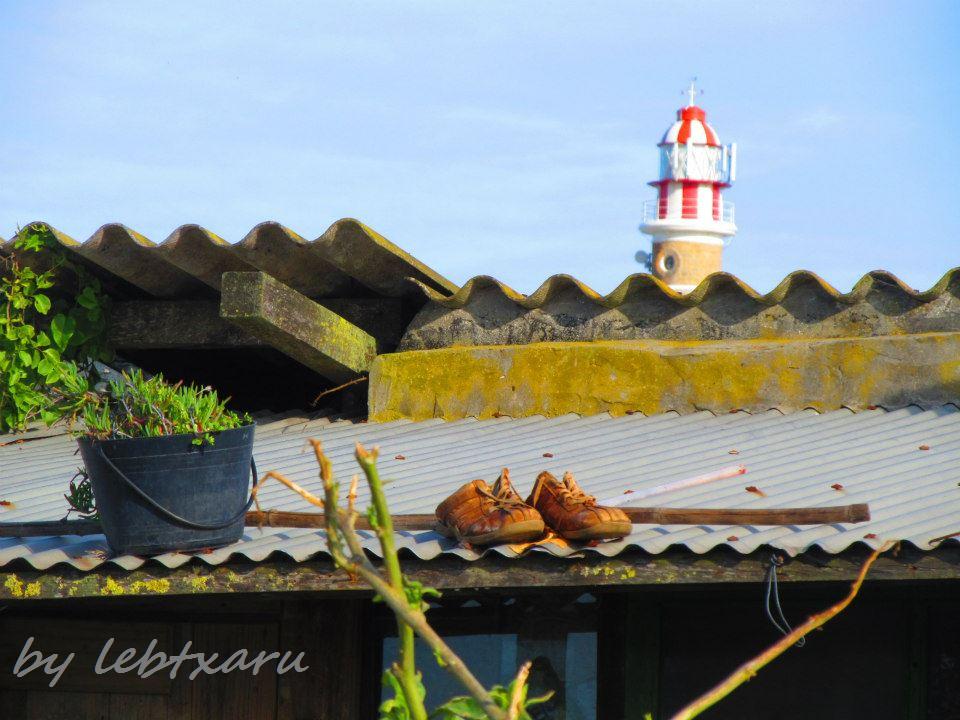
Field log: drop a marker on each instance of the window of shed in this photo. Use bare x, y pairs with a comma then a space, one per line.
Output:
494, 636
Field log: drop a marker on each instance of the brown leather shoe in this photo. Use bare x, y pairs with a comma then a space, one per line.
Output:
481, 515
573, 514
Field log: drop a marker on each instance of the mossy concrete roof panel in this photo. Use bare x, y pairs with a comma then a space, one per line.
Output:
348, 260
486, 312
796, 459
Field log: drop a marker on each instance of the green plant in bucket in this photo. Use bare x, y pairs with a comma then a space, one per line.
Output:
136, 406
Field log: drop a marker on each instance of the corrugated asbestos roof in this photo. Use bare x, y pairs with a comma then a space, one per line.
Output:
563, 309
640, 284
191, 261
794, 459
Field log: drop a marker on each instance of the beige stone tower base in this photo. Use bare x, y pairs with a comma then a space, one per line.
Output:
683, 264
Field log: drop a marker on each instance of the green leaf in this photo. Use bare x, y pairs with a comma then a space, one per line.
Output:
61, 329
465, 708
42, 304
88, 299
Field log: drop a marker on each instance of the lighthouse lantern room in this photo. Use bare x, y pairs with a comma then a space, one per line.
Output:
689, 221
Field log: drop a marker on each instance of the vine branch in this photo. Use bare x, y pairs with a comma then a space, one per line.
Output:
347, 551
750, 668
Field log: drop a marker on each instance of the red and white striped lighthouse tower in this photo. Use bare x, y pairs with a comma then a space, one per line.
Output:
689, 221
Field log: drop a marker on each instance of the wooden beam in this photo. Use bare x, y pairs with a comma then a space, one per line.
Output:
41, 528
330, 640
173, 325
287, 519
296, 326
653, 516
859, 512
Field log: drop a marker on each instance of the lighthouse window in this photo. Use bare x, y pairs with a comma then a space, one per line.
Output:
668, 262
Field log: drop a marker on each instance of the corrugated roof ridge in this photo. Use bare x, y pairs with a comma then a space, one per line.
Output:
643, 283
388, 273
130, 563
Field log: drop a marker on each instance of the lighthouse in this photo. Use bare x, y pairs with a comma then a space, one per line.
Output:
689, 221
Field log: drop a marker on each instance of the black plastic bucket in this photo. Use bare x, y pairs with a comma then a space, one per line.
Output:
162, 494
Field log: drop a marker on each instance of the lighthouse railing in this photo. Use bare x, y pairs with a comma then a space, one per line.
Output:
689, 161
655, 210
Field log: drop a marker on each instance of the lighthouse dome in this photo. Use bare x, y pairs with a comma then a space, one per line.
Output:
691, 126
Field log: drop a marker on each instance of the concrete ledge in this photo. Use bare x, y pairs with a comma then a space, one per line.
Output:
651, 377
676, 566
295, 325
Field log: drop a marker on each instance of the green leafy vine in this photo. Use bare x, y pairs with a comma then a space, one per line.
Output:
52, 326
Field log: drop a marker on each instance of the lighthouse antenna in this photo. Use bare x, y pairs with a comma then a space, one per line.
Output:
692, 92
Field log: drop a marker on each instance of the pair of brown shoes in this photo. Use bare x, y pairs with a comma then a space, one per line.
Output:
480, 515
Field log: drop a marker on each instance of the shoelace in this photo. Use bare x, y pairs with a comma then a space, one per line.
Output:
503, 500
570, 490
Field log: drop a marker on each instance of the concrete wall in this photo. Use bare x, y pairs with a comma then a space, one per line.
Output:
655, 376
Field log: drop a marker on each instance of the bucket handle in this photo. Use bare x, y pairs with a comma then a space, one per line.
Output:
172, 515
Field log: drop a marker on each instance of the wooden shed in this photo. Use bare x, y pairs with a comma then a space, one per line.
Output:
825, 399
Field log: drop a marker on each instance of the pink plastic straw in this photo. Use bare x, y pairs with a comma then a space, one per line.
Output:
630, 496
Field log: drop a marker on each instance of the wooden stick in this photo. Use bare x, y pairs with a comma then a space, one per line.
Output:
50, 527
653, 516
739, 516
338, 388
283, 518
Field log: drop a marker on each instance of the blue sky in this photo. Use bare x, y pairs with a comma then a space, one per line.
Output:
506, 138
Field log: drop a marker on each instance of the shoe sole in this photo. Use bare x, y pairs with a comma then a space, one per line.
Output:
522, 531
600, 531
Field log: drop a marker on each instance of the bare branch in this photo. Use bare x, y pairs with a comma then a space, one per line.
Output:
338, 388
341, 530
305, 494
746, 671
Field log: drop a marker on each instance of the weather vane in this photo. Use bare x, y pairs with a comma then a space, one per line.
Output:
692, 91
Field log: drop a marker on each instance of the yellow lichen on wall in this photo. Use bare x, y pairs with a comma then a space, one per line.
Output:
112, 587
155, 587
657, 376
14, 585
199, 583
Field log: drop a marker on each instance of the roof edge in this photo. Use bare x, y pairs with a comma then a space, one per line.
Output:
629, 569
641, 283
